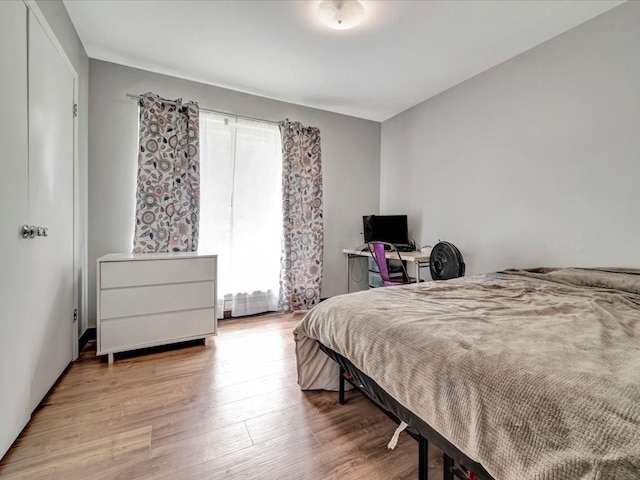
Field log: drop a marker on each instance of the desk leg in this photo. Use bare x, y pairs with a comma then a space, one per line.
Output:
417, 264
348, 257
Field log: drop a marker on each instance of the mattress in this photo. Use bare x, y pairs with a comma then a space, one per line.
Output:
534, 374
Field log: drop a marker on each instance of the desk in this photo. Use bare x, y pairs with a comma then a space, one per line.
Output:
419, 259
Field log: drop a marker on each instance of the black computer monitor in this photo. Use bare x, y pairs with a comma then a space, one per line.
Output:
386, 228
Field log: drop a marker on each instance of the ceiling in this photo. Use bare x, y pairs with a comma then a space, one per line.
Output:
402, 54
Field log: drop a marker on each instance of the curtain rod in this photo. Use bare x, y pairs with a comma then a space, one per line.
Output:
235, 115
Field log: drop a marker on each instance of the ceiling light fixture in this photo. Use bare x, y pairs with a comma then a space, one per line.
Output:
340, 14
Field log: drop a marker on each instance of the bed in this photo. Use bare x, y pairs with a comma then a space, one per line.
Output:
522, 374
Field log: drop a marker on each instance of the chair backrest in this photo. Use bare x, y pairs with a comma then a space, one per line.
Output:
378, 251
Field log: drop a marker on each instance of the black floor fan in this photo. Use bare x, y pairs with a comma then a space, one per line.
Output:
446, 262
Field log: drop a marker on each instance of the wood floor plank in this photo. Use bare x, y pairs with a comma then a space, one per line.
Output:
262, 460
62, 462
230, 409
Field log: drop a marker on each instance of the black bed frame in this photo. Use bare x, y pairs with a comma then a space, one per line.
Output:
455, 463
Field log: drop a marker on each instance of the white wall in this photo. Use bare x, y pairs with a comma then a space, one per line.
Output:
535, 162
350, 155
59, 21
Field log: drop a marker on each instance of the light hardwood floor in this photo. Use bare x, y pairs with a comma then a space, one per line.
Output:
230, 409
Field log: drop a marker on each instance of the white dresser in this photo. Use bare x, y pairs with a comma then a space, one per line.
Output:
154, 299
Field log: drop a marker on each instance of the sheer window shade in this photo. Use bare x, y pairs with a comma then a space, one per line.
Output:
241, 209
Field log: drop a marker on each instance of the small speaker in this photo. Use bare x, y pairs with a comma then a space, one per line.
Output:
367, 222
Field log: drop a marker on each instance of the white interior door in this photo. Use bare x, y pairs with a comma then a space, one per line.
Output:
50, 265
14, 302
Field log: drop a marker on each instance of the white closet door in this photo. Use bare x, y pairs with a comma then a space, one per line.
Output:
50, 263
14, 363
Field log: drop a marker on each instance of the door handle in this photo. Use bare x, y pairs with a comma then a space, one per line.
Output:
30, 231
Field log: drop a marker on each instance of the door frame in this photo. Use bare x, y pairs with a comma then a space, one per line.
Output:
79, 227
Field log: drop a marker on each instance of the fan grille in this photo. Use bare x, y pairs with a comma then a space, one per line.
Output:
446, 262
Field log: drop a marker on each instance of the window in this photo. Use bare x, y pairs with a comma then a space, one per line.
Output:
241, 209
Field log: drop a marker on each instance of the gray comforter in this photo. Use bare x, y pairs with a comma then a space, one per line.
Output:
534, 374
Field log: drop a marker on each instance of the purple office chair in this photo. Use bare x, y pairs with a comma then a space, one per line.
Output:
378, 251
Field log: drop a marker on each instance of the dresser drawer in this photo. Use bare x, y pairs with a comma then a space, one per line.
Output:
156, 272
127, 333
127, 302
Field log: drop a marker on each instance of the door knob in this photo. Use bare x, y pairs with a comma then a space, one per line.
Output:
29, 231
43, 231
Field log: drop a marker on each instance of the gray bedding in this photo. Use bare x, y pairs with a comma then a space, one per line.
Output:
534, 374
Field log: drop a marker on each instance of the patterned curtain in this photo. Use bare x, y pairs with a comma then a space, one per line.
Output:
168, 193
303, 231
